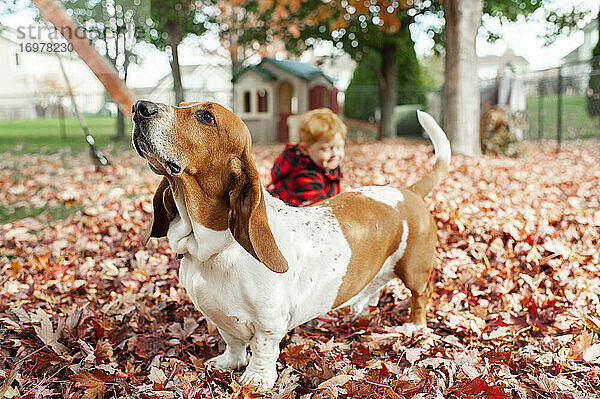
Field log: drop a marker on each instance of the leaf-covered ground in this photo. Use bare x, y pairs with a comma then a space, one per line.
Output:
86, 311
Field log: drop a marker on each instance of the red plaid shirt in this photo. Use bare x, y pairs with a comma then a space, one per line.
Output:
298, 181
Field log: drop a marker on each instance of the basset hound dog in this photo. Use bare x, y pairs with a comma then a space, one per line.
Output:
256, 267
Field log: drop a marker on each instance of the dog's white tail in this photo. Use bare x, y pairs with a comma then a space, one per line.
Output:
441, 146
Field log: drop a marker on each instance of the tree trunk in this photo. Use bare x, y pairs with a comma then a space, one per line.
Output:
461, 88
174, 41
388, 90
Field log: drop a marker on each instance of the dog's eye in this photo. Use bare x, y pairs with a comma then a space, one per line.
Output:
206, 117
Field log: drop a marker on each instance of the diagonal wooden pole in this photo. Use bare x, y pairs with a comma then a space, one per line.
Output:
54, 12
96, 154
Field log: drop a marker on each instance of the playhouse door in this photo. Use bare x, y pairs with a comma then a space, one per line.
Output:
318, 97
286, 91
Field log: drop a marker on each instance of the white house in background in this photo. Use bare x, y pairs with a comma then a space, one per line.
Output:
575, 68
584, 51
491, 66
204, 82
31, 82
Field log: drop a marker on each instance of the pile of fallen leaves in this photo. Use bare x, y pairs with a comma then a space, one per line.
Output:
500, 131
87, 312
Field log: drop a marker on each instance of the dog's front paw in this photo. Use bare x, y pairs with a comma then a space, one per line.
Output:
261, 380
227, 361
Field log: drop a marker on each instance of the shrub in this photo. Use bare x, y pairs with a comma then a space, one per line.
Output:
362, 95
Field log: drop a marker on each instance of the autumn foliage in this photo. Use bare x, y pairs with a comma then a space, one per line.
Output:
87, 312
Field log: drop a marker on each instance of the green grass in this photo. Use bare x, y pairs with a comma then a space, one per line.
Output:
45, 135
576, 123
53, 213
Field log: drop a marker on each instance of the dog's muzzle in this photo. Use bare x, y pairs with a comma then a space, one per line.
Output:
143, 113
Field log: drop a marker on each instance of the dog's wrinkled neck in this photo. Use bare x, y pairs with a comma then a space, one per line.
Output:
205, 200
187, 237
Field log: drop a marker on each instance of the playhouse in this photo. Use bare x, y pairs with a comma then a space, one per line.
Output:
267, 94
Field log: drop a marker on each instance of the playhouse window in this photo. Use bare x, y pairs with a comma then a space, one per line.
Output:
247, 108
262, 96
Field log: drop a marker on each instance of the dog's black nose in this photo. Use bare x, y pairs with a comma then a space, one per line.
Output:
144, 109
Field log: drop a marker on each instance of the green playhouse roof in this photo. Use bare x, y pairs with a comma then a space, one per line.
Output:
302, 70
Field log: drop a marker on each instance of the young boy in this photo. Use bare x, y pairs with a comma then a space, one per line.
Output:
309, 172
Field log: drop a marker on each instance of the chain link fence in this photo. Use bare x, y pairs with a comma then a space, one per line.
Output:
561, 103
58, 104
52, 104
564, 103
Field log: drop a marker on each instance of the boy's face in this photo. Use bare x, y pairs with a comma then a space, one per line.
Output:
325, 153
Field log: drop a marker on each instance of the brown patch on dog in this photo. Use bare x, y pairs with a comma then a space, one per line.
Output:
374, 232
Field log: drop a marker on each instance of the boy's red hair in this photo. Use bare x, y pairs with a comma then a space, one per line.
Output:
320, 123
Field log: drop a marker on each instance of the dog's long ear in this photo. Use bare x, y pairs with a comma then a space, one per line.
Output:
164, 211
248, 214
